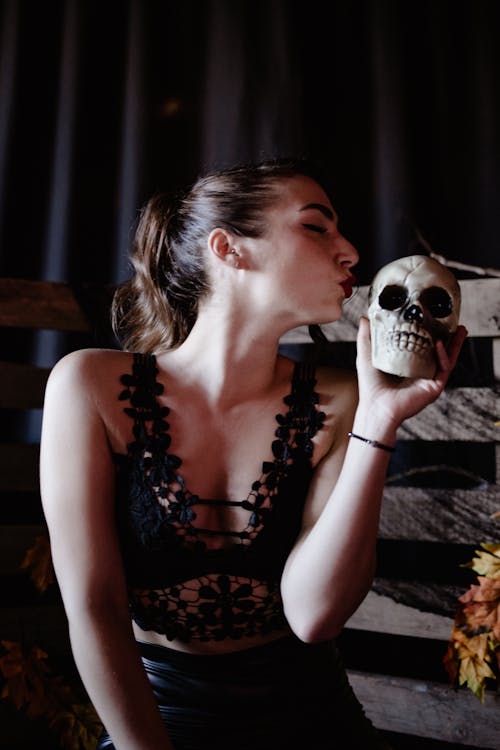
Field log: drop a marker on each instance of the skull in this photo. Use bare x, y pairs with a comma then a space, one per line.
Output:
412, 302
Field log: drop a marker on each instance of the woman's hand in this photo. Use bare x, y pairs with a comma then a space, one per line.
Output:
393, 398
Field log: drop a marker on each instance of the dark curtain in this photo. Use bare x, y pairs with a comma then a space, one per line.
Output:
102, 103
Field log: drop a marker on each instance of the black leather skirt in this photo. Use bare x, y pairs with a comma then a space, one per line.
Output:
285, 694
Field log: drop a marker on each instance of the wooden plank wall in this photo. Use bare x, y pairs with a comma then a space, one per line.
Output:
441, 491
78, 317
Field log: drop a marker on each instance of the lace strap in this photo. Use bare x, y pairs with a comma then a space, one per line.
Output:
141, 391
303, 416
303, 397
304, 372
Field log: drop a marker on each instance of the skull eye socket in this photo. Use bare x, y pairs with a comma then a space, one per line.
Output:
392, 297
437, 301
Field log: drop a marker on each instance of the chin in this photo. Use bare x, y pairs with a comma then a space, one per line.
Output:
332, 316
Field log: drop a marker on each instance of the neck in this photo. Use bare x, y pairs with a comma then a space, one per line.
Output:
228, 357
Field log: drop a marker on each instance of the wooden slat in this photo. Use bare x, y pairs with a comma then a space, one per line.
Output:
19, 733
19, 467
416, 514
458, 414
40, 304
41, 624
480, 310
496, 358
17, 508
480, 313
23, 386
413, 609
382, 614
429, 709
408, 608
424, 596
440, 515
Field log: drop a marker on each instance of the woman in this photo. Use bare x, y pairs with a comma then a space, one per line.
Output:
237, 574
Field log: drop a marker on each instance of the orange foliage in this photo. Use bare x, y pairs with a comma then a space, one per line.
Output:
33, 688
473, 655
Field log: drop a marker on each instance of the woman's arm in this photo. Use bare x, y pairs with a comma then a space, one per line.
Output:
77, 486
331, 566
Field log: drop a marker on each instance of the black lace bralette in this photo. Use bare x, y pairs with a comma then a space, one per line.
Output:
180, 584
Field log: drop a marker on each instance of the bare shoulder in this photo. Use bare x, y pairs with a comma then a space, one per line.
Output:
337, 390
89, 370
84, 389
85, 385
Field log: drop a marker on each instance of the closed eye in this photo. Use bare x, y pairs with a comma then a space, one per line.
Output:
315, 228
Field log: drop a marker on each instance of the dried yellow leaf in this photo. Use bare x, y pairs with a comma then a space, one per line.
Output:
487, 563
473, 673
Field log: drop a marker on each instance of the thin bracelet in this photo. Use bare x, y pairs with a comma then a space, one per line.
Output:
373, 443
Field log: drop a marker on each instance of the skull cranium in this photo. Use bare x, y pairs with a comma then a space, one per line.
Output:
412, 302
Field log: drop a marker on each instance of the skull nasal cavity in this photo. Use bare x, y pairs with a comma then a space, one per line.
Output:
414, 313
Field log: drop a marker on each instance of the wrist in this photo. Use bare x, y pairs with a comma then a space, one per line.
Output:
373, 443
375, 426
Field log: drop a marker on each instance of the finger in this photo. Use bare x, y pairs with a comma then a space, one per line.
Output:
363, 339
447, 357
456, 344
444, 362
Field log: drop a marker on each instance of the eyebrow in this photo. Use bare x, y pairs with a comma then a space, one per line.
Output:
322, 208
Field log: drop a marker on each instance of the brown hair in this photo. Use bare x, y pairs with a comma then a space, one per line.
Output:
157, 307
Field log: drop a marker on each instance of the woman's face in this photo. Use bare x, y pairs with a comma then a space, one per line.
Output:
304, 256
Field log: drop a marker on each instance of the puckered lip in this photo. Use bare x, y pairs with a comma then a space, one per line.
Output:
347, 285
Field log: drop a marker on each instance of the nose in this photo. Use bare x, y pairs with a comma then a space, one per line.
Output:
414, 314
350, 255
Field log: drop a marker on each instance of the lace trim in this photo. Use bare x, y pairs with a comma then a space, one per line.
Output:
172, 505
212, 607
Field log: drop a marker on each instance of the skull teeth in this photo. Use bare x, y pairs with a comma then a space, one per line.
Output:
408, 341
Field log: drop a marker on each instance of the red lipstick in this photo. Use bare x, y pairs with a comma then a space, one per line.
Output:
347, 285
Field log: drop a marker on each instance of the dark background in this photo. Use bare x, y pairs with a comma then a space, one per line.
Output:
102, 103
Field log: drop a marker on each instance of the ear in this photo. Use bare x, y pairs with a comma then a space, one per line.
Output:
222, 244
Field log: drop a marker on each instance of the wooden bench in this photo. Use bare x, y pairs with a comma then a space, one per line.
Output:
78, 316
441, 491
